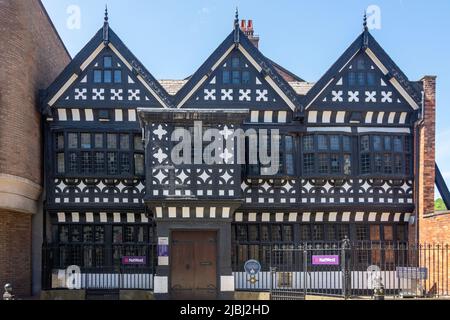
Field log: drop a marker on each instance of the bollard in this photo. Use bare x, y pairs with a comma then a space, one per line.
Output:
8, 292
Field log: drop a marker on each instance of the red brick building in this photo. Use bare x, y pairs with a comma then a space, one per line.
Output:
31, 56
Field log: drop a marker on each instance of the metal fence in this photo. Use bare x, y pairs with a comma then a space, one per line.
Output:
98, 267
347, 270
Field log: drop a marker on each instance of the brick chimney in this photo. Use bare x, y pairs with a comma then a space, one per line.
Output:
247, 28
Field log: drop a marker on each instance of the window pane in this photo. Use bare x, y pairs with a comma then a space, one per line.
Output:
73, 162
138, 164
408, 144
401, 232
107, 62
387, 143
387, 163
61, 166
98, 141
331, 233
308, 163
99, 234
99, 164
85, 140
111, 141
343, 231
60, 141
226, 77
322, 142
351, 79
97, 76
308, 143
346, 141
365, 145
334, 143
335, 163
88, 235
318, 232
107, 76
125, 163
140, 234
235, 62
117, 234
265, 235
398, 165
86, 164
73, 140
129, 234
138, 145
64, 234
408, 164
360, 65
112, 163
124, 142
377, 146
361, 233
398, 147
236, 77
305, 232
276, 233
117, 76
253, 232
288, 233
371, 79
75, 234
241, 233
365, 163
245, 77
375, 233
361, 78
347, 164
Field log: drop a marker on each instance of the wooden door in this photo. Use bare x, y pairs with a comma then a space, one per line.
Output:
193, 265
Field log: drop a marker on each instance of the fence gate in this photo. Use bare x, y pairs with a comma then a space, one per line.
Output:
305, 270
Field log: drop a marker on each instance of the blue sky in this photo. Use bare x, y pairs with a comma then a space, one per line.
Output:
173, 38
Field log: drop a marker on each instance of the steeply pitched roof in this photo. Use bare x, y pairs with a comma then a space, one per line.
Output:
82, 60
266, 66
366, 42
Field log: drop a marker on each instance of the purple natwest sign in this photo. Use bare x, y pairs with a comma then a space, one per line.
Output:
330, 260
134, 260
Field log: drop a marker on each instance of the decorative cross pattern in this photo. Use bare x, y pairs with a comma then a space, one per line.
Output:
337, 96
387, 96
160, 132
371, 96
98, 94
244, 94
134, 94
160, 156
226, 155
226, 132
353, 96
80, 94
261, 95
227, 94
210, 94
116, 94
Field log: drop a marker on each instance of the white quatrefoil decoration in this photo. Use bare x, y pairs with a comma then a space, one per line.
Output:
353, 96
371, 96
160, 132
244, 94
227, 94
337, 96
210, 94
387, 96
160, 156
80, 94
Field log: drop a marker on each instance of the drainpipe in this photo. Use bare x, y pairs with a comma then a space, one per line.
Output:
418, 124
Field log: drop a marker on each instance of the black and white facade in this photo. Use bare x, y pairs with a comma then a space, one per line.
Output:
346, 166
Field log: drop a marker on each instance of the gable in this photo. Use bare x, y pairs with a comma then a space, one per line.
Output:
376, 84
105, 74
361, 85
263, 86
107, 82
236, 82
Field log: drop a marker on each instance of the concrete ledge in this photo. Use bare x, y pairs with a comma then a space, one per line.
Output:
63, 295
245, 295
19, 194
136, 295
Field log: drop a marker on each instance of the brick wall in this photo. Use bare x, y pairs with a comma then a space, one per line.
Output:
15, 251
31, 57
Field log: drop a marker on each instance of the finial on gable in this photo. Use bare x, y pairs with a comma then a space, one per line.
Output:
236, 27
365, 43
106, 27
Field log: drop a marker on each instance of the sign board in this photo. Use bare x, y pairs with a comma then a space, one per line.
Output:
163, 247
325, 260
134, 260
252, 267
411, 273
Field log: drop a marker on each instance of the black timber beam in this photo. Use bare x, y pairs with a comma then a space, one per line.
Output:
442, 187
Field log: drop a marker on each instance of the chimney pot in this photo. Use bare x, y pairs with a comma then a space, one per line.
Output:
243, 26
250, 25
